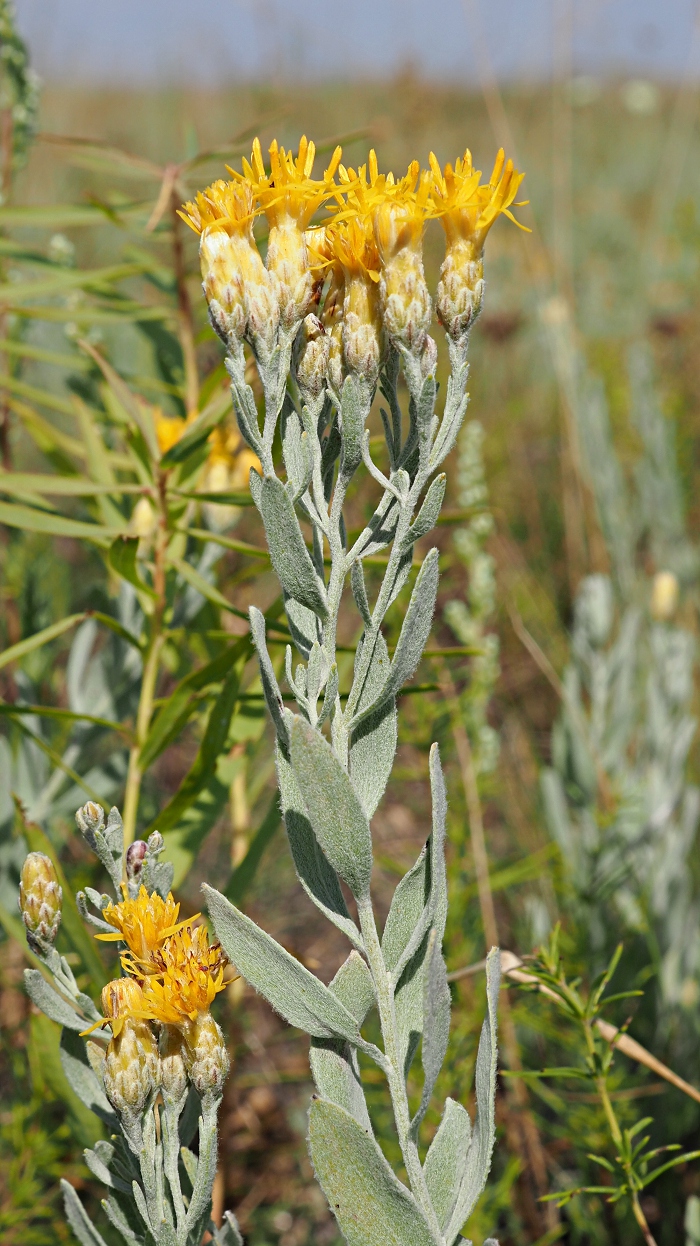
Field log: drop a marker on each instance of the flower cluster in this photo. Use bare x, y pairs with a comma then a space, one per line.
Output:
172, 975
356, 280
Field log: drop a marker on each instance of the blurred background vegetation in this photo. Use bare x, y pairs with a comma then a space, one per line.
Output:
561, 681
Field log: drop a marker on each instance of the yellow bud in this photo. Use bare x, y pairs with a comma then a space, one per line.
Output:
405, 299
288, 264
131, 1068
206, 1057
143, 519
120, 998
312, 362
362, 328
664, 595
460, 290
40, 899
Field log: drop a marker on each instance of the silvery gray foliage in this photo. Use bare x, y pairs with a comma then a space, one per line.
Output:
617, 796
159, 1193
334, 759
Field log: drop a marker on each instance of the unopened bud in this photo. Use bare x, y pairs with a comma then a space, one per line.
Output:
405, 299
173, 1069
135, 855
206, 1057
143, 520
119, 998
40, 899
131, 1068
428, 359
362, 331
312, 363
288, 265
664, 596
460, 290
90, 818
155, 843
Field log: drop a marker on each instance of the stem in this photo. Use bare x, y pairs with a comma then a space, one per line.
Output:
151, 671
397, 1088
642, 1220
185, 317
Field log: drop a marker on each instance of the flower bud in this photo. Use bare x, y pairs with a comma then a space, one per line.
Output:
405, 299
428, 358
131, 1068
90, 818
312, 363
206, 1057
173, 1069
362, 329
40, 898
155, 843
119, 998
288, 265
135, 855
460, 289
143, 520
664, 596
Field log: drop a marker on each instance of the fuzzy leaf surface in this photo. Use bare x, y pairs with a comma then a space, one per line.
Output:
288, 552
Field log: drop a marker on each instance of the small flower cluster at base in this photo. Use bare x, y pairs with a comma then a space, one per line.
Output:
40, 900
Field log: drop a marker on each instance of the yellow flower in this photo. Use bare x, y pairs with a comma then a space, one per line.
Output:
354, 252
289, 196
466, 208
189, 974
236, 284
143, 924
122, 998
170, 428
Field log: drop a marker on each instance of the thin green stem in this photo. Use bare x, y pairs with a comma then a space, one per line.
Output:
397, 1088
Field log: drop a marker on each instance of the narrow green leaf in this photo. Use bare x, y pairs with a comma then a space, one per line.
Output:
30, 520
50, 1002
244, 873
50, 711
122, 559
65, 486
193, 577
23, 647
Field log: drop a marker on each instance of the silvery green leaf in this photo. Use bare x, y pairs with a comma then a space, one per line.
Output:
446, 1158
329, 696
353, 413
273, 696
117, 1215
436, 1022
380, 529
76, 1216
296, 452
403, 571
142, 1208
199, 1210
255, 486
359, 592
334, 1062
288, 552
100, 1170
455, 408
303, 625
50, 1002
98, 899
373, 744
424, 415
316, 876
339, 822
371, 1205
244, 404
97, 922
428, 514
189, 1159
189, 1120
414, 633
108, 843
156, 875
229, 1234
81, 1077
316, 672
478, 1160
292, 990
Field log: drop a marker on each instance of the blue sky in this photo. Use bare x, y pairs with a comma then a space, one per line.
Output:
134, 42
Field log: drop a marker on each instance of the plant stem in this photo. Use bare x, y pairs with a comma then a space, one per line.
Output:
397, 1088
185, 317
151, 670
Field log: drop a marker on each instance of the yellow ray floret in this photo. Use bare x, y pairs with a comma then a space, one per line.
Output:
190, 974
289, 189
143, 924
223, 205
468, 209
350, 243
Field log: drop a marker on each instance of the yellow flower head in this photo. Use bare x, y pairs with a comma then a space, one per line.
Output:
227, 206
189, 974
121, 999
350, 243
466, 208
289, 189
143, 924
170, 428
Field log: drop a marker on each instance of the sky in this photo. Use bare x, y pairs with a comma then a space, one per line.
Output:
219, 42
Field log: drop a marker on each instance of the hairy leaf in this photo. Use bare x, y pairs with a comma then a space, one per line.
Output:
50, 1002
446, 1159
288, 552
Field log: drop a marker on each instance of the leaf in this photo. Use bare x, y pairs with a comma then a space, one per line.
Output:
373, 743
83, 1080
122, 559
428, 514
211, 748
339, 822
359, 592
299, 996
481, 1146
71, 921
50, 1002
414, 634
76, 1216
207, 590
316, 876
23, 647
288, 552
371, 1205
303, 625
65, 486
273, 696
30, 520
333, 1062
436, 1022
245, 872
446, 1159
136, 409
353, 414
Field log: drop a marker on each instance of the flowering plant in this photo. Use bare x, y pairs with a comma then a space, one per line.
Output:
334, 311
